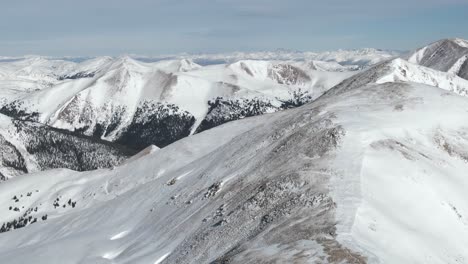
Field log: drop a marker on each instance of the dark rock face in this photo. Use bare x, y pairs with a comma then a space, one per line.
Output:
443, 55
221, 111
157, 124
246, 69
463, 73
288, 74
78, 75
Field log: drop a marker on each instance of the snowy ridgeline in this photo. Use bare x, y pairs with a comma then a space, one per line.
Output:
338, 180
221, 111
155, 123
366, 166
448, 55
159, 124
138, 104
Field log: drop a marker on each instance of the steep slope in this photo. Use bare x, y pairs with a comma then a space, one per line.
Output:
448, 55
399, 70
27, 147
359, 177
123, 100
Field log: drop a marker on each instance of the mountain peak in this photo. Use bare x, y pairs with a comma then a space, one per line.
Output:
127, 62
449, 41
447, 55
460, 42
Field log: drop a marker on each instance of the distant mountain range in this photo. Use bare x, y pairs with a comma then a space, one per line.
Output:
119, 99
135, 104
351, 157
357, 57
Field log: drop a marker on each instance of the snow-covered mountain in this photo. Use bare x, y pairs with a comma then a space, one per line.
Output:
138, 104
352, 59
374, 174
27, 147
362, 166
399, 70
448, 55
32, 73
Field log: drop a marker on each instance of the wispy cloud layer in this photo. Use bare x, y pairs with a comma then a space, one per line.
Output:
66, 27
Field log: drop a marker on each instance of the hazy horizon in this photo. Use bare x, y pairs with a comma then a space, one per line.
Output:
162, 27
189, 54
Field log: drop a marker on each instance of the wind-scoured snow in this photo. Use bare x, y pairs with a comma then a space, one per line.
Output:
448, 55
461, 42
399, 70
360, 177
407, 72
364, 165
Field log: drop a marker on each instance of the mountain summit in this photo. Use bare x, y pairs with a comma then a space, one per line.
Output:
448, 55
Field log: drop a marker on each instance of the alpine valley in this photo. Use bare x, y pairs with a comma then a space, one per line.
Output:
350, 156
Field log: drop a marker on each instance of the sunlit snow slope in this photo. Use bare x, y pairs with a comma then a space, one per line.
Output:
138, 104
374, 173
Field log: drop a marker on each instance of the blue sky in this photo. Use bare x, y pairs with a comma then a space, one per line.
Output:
155, 27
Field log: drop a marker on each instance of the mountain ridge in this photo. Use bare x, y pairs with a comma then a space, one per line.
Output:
443, 55
306, 180
364, 165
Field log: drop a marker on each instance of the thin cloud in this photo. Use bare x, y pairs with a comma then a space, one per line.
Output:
50, 27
